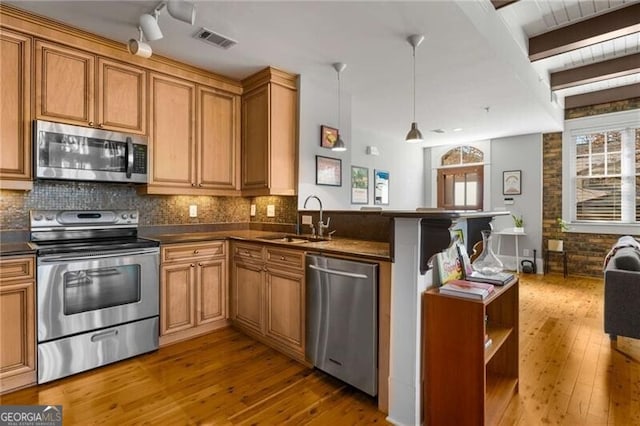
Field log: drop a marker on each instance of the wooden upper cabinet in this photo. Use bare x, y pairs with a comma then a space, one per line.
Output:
218, 148
269, 134
122, 100
255, 139
15, 111
76, 87
194, 139
171, 133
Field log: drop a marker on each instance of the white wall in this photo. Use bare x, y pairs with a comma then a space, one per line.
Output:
511, 153
404, 162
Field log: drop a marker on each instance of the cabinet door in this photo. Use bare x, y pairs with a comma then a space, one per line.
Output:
211, 304
255, 139
283, 138
247, 295
122, 99
15, 112
64, 84
171, 131
218, 139
17, 334
177, 298
285, 307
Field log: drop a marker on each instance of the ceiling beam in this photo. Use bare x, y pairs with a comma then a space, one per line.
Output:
620, 22
497, 4
599, 71
603, 96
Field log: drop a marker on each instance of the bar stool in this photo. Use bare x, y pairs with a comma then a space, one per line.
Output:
564, 261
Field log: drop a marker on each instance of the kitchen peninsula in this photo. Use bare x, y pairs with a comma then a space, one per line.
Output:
417, 236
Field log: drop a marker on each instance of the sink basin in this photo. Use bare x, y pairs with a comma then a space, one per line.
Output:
293, 239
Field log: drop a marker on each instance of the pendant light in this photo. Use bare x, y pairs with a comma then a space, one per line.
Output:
339, 143
414, 134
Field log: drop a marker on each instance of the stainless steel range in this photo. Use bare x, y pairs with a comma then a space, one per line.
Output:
97, 289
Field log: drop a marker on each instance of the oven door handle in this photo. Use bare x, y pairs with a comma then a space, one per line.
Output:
101, 255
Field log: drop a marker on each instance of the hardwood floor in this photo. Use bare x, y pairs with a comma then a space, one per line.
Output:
569, 375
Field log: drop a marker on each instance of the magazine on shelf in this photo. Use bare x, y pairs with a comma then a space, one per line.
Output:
468, 289
448, 265
500, 278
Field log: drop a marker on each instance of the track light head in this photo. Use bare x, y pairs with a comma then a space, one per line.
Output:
182, 10
150, 27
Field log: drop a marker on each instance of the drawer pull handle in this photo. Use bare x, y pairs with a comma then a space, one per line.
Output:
283, 258
104, 335
196, 251
193, 265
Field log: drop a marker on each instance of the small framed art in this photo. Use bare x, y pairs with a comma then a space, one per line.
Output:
328, 171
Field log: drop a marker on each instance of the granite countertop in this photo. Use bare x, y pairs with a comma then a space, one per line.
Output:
16, 249
337, 245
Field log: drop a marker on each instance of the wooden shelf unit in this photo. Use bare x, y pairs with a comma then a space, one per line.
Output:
465, 383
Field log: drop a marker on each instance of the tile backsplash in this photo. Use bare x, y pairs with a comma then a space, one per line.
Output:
153, 209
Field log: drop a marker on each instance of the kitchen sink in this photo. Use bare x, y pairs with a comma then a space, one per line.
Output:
293, 239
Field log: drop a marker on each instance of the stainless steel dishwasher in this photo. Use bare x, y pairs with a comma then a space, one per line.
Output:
342, 319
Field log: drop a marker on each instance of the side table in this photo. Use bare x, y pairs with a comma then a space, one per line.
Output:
564, 260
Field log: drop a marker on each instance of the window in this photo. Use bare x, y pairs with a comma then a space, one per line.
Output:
460, 188
460, 179
603, 178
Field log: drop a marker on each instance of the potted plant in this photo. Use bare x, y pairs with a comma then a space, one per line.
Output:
518, 223
557, 244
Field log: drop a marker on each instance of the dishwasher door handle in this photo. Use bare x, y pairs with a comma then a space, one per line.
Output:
341, 273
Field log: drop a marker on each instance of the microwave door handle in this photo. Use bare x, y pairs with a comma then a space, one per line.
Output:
129, 157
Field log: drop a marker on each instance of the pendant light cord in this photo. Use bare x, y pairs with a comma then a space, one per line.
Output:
414, 84
338, 101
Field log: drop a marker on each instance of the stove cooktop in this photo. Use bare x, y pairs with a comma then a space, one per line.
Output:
44, 248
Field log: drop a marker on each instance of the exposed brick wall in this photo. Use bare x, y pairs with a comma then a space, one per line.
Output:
585, 252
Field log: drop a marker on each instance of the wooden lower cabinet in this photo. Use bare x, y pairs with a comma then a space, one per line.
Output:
193, 297
268, 296
17, 323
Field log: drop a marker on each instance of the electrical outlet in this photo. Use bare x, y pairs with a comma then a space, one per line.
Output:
253, 210
193, 210
526, 252
271, 210
307, 219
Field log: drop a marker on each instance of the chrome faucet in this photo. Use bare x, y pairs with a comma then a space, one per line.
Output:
321, 225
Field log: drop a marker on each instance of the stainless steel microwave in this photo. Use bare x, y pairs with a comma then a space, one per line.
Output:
64, 151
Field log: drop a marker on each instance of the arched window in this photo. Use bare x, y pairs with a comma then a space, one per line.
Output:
461, 179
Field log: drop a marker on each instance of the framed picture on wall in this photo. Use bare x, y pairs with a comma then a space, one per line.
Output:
328, 136
381, 187
359, 185
328, 171
511, 182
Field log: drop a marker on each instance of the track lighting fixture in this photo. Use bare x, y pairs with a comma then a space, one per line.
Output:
139, 47
414, 134
339, 145
150, 27
148, 24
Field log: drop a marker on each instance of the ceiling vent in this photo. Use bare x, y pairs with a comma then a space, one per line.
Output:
214, 38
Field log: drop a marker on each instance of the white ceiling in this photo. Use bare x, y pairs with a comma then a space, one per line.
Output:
473, 57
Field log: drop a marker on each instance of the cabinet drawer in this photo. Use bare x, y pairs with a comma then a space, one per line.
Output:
289, 258
178, 252
248, 251
16, 268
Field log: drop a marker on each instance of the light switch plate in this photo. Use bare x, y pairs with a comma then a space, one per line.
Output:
271, 210
307, 219
253, 210
193, 210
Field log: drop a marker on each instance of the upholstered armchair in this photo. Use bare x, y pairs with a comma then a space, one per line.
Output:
622, 290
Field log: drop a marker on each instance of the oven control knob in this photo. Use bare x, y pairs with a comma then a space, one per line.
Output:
49, 217
37, 217
132, 215
124, 215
